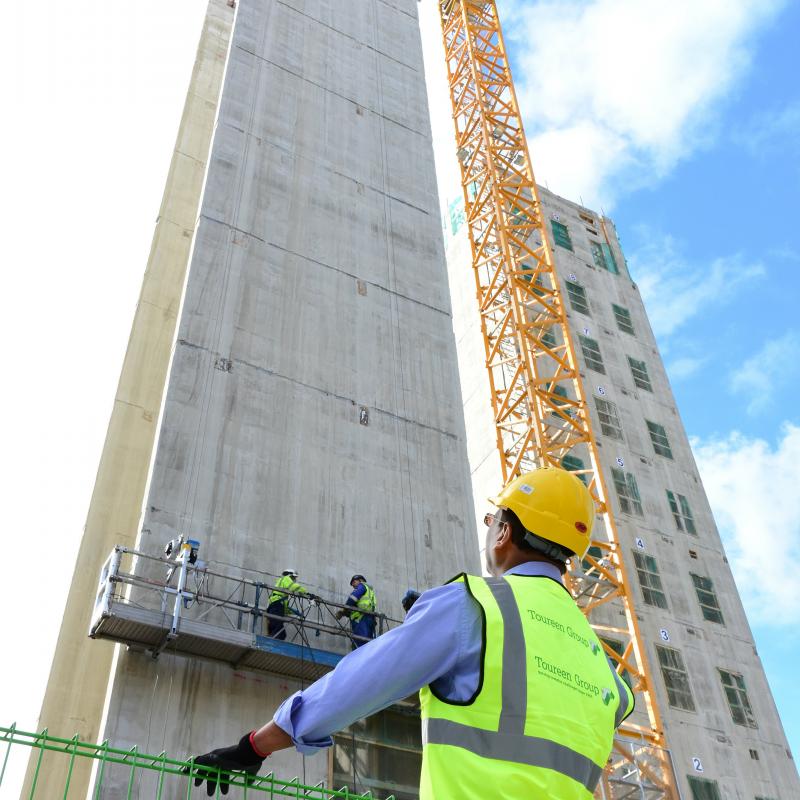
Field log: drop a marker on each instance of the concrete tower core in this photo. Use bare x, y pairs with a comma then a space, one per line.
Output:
310, 415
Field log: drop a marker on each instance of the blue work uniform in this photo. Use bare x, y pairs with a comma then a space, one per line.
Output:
365, 625
442, 630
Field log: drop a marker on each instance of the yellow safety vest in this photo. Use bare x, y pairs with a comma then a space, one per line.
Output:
285, 582
542, 720
366, 603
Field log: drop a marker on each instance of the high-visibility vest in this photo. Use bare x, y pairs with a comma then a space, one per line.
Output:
542, 720
366, 603
285, 582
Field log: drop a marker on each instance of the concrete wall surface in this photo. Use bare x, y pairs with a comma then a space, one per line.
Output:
317, 288
708, 732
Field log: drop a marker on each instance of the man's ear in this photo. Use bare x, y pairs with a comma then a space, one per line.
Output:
504, 536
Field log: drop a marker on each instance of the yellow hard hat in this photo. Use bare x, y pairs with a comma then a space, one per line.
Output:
552, 504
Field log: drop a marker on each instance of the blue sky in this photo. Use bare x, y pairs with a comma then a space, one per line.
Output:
703, 183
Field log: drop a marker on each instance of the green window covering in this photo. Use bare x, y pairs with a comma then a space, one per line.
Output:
577, 298
676, 678
703, 789
609, 419
608, 256
619, 648
559, 390
597, 254
591, 354
639, 373
457, 215
738, 702
603, 257
650, 580
573, 464
707, 598
623, 318
658, 436
627, 492
595, 552
561, 235
681, 512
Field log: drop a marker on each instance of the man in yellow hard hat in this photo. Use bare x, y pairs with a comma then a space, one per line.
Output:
515, 691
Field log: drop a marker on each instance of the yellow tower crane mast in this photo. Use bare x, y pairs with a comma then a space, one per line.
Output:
539, 403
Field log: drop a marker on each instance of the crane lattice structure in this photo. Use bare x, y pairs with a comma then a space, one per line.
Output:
538, 399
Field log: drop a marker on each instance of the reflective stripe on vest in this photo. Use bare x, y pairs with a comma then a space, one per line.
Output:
474, 741
529, 750
366, 603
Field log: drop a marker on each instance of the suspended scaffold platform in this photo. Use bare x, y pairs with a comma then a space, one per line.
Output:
157, 604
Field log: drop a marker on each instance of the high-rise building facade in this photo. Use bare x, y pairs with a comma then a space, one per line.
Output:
721, 723
290, 396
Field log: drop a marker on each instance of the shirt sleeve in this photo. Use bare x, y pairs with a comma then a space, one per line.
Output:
356, 595
380, 673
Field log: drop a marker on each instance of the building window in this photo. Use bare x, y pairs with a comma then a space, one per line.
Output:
577, 298
650, 580
681, 512
549, 338
627, 492
623, 318
596, 553
560, 391
619, 648
591, 353
658, 436
457, 214
561, 235
738, 702
603, 257
597, 254
518, 216
609, 419
382, 753
707, 598
676, 678
639, 372
574, 464
703, 789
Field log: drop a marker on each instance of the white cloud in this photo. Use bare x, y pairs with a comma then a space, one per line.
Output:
675, 290
685, 367
770, 369
616, 92
752, 488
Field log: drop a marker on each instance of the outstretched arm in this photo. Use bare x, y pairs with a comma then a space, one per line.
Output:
370, 678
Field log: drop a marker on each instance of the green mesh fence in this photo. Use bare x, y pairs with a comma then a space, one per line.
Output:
165, 776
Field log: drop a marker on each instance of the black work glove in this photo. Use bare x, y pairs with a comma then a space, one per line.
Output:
314, 597
241, 757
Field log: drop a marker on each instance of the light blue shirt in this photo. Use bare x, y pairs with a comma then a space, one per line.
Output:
439, 643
